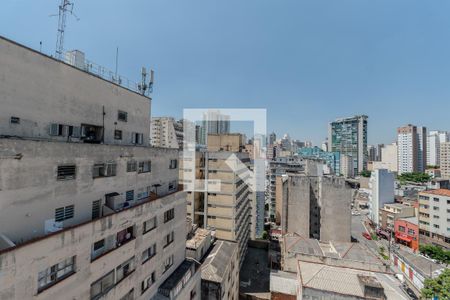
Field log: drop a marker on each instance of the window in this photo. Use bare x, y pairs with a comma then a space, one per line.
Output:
55, 273
96, 205
401, 228
102, 286
15, 120
104, 170
145, 166
66, 172
129, 195
169, 239
435, 217
435, 208
125, 236
149, 253
169, 215
99, 245
411, 232
125, 269
122, 116
64, 213
436, 226
172, 185
150, 224
117, 134
148, 282
173, 164
436, 199
137, 138
167, 263
131, 166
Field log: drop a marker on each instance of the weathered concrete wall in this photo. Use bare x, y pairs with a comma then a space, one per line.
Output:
40, 90
30, 191
335, 202
298, 206
20, 267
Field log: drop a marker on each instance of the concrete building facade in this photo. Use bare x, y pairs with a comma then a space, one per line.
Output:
381, 185
165, 132
434, 140
88, 209
317, 207
434, 217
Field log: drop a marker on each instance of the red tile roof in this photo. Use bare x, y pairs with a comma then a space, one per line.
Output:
440, 192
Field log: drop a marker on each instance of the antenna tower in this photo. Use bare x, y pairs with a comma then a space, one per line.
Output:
64, 7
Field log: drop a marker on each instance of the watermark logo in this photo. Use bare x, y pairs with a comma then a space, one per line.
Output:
201, 163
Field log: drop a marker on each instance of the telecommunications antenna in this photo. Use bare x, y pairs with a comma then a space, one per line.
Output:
65, 7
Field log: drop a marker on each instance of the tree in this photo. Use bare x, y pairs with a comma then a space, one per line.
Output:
414, 177
365, 173
438, 287
265, 235
436, 252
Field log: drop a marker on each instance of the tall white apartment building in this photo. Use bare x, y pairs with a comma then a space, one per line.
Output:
445, 160
435, 138
87, 209
381, 185
412, 149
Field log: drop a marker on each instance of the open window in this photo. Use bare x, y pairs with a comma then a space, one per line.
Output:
91, 133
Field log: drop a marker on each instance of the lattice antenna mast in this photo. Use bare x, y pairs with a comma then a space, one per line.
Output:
64, 7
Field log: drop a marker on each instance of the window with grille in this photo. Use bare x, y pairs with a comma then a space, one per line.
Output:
96, 209
104, 170
15, 120
122, 116
64, 213
169, 215
145, 166
66, 172
55, 273
132, 166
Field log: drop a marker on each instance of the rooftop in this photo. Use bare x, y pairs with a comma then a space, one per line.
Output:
218, 260
344, 281
173, 280
439, 192
199, 236
412, 220
420, 263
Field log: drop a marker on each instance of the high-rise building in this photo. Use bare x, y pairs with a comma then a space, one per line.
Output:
412, 149
225, 205
379, 152
381, 185
88, 209
346, 166
444, 160
214, 122
272, 138
434, 140
349, 137
372, 153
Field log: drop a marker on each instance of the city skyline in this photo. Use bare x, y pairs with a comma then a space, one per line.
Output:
361, 57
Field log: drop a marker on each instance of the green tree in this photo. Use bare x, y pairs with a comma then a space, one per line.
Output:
436, 252
414, 177
437, 287
365, 173
265, 235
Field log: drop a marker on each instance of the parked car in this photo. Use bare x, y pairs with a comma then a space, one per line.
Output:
366, 235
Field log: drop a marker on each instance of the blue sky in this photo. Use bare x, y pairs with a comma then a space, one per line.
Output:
306, 62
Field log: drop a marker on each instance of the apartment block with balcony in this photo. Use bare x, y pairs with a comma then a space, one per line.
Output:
434, 217
393, 211
89, 211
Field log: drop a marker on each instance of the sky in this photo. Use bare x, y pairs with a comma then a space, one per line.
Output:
307, 62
